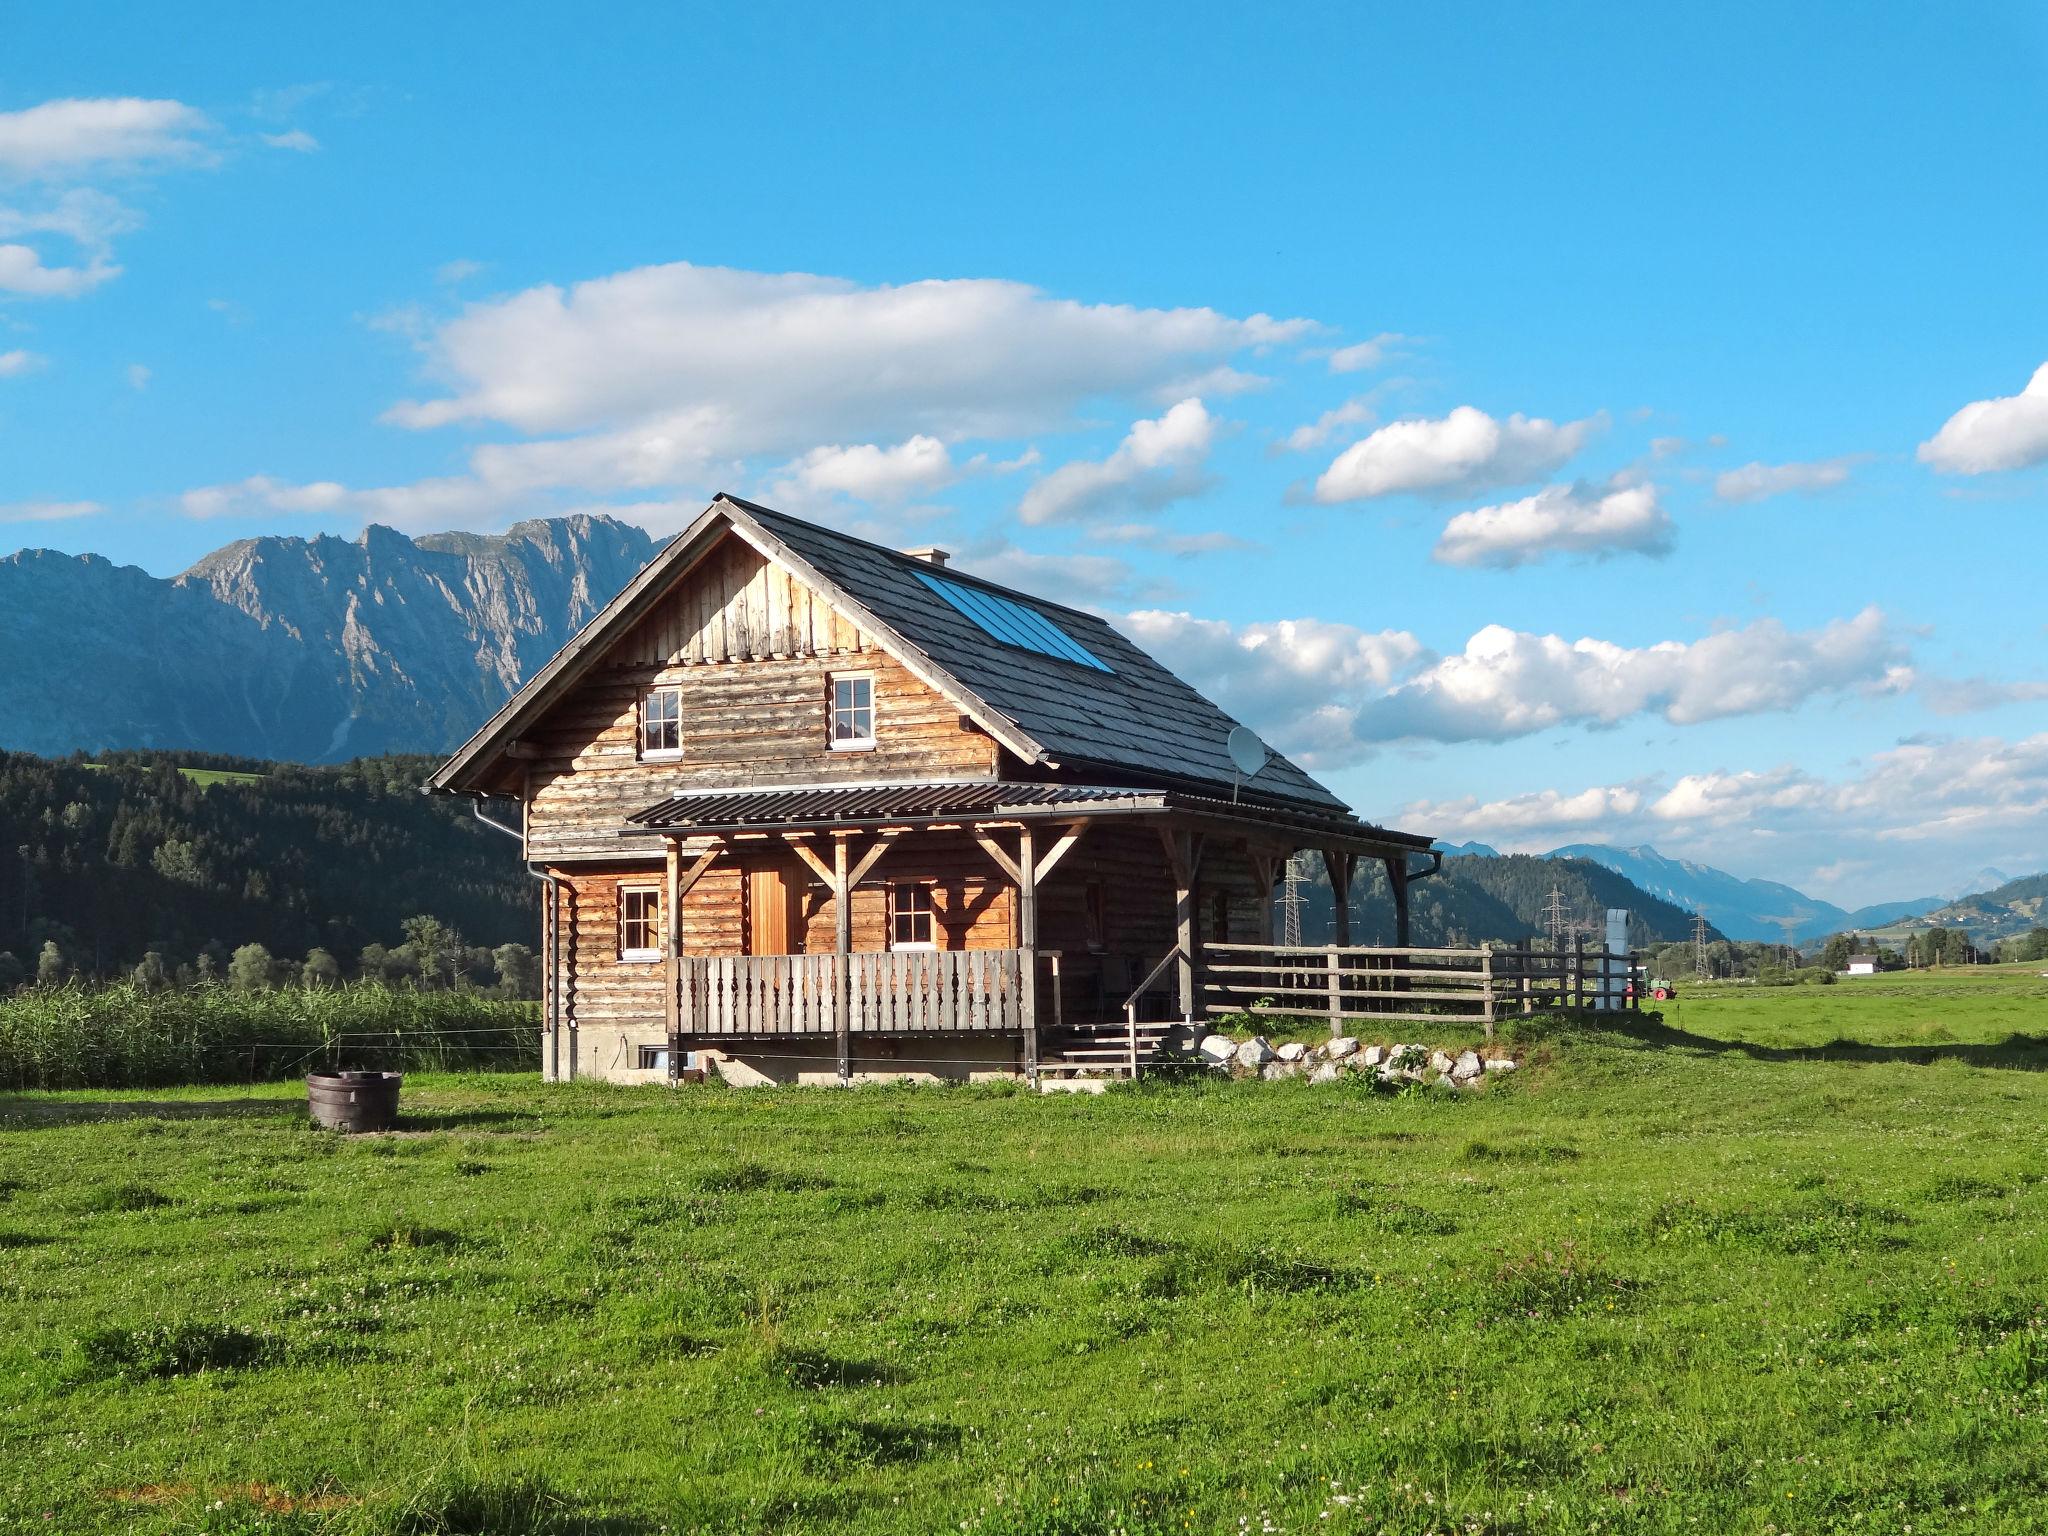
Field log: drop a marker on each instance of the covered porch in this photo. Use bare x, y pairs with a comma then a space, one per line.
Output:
1038, 944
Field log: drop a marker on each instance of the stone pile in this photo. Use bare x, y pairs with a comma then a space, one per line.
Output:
1389, 1066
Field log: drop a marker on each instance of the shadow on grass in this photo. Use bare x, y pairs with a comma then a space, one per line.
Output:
27, 1114
2016, 1052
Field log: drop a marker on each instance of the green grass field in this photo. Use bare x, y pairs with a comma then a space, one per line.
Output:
1775, 1266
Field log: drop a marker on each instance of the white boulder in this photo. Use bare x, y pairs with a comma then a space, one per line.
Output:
1441, 1063
1254, 1053
1217, 1049
1466, 1067
1372, 1055
1293, 1050
1500, 1064
1342, 1046
1328, 1072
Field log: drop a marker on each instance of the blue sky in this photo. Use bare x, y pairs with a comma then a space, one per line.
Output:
1546, 423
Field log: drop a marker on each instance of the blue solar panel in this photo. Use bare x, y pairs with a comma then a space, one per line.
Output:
1005, 619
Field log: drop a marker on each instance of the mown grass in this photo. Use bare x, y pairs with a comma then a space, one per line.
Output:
1724, 1276
118, 1035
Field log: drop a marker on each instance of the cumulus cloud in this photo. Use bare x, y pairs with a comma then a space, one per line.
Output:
871, 473
138, 376
1932, 805
59, 247
65, 138
1756, 482
1507, 683
787, 360
18, 362
1467, 450
2010, 432
1298, 682
293, 139
1559, 520
1158, 462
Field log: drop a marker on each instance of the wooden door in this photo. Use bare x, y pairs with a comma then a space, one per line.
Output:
774, 926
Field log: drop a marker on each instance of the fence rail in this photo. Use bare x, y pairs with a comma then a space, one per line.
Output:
884, 992
1370, 984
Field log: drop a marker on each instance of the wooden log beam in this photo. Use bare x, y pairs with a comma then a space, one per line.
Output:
1397, 879
842, 945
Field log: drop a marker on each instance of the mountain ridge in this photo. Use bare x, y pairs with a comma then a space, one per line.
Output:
312, 650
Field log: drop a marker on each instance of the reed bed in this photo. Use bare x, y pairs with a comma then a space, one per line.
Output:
118, 1035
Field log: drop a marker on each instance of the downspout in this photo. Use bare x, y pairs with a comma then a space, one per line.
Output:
553, 1014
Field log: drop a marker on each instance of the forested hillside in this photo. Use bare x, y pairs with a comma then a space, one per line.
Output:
185, 854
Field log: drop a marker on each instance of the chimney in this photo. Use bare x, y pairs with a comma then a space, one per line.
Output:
931, 554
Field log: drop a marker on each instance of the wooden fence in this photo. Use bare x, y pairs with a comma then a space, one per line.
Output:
895, 992
1380, 985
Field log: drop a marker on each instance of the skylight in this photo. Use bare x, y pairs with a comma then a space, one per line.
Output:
1007, 620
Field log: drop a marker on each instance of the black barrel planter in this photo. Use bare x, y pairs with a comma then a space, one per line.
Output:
353, 1101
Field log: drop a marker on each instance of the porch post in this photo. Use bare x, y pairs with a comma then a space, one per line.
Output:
1027, 941
672, 952
1184, 854
1397, 878
842, 945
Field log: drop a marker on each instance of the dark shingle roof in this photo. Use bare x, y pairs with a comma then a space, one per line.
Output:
1137, 717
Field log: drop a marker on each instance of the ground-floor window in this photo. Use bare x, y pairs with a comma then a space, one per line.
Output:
653, 1058
912, 920
639, 922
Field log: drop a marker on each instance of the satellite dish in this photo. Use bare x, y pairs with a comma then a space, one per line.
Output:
1248, 755
1247, 751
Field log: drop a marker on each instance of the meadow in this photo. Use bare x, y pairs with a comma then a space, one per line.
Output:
1773, 1264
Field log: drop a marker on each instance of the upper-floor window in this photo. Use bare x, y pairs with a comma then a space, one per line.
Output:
639, 922
661, 723
913, 923
853, 712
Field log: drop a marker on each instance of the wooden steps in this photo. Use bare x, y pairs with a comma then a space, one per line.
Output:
1101, 1050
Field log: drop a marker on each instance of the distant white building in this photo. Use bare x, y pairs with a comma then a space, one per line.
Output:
1862, 965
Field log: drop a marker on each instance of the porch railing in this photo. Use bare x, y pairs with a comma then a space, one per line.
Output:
887, 992
1381, 985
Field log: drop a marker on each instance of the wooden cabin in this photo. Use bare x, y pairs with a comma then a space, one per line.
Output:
804, 808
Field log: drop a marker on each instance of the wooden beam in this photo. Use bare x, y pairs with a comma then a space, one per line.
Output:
1002, 860
672, 956
1069, 835
871, 858
803, 849
1397, 878
1184, 854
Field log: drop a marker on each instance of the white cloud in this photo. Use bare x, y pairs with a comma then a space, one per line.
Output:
47, 511
18, 362
779, 361
1355, 412
1986, 435
293, 139
22, 271
1366, 354
1158, 462
65, 138
871, 473
1079, 580
1925, 807
1165, 541
1465, 451
457, 271
1298, 682
138, 376
1559, 520
1508, 683
1755, 482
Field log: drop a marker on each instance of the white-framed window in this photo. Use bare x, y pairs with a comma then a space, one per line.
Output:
913, 923
853, 712
639, 922
661, 723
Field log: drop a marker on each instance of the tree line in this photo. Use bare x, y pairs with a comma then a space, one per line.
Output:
154, 867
